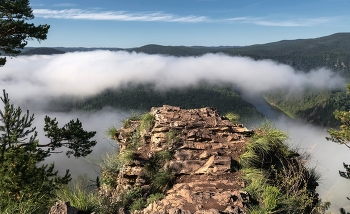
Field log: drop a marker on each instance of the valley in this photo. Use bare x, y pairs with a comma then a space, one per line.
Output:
229, 79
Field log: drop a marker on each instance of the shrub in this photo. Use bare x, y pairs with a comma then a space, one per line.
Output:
172, 137
234, 118
163, 156
135, 141
271, 195
129, 197
162, 180
36, 203
127, 156
138, 204
157, 162
155, 197
111, 165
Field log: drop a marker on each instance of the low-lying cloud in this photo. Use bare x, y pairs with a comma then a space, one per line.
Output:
89, 73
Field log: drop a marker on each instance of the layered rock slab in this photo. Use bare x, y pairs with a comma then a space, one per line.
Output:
205, 148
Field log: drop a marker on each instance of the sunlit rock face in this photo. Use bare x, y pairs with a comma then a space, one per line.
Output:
204, 148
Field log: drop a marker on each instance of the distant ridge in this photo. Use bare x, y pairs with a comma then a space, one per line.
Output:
42, 51
302, 54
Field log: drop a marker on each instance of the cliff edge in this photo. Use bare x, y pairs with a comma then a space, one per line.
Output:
188, 157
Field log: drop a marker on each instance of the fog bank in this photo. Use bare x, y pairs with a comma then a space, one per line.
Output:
89, 73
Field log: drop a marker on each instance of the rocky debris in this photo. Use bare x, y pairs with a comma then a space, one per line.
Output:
205, 148
63, 208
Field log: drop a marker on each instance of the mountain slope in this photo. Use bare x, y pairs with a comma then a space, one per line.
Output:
303, 54
42, 51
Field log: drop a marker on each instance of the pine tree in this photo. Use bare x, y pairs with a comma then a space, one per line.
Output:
22, 176
15, 29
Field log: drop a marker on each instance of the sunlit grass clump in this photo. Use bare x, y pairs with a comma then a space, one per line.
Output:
276, 177
147, 121
80, 194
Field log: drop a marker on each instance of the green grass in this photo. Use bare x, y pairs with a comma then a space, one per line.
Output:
31, 205
110, 167
262, 149
111, 161
138, 204
271, 195
147, 121
163, 156
79, 195
129, 197
276, 181
162, 180
127, 156
111, 132
155, 197
172, 137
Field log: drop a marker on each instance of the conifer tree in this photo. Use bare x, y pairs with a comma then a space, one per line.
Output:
22, 175
15, 31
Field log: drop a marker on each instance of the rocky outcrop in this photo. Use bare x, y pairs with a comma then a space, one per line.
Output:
63, 208
204, 148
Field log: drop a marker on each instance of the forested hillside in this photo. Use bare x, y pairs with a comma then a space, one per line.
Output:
143, 97
42, 51
303, 54
316, 107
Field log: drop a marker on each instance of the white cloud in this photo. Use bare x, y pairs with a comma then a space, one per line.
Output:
89, 73
295, 23
37, 5
115, 15
282, 23
96, 14
65, 5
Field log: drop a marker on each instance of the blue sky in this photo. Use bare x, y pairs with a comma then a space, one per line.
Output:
133, 23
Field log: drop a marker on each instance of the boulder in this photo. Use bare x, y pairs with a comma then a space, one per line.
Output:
63, 208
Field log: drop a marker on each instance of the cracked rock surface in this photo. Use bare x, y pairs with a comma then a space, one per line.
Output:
205, 154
